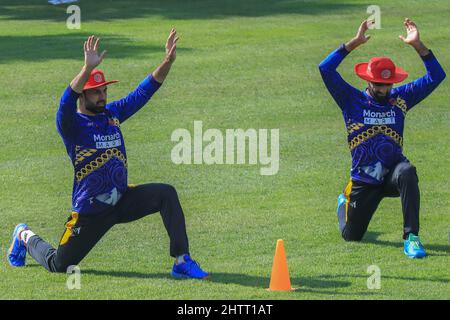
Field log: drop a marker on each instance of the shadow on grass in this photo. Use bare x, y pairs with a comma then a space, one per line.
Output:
372, 237
413, 279
320, 285
226, 278
70, 46
102, 10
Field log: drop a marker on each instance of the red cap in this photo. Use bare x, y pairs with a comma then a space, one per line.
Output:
97, 79
380, 69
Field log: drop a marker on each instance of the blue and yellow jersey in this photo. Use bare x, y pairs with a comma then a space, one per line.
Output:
96, 147
375, 130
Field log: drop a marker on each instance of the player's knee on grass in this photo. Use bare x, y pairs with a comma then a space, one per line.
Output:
60, 270
61, 267
55, 268
352, 236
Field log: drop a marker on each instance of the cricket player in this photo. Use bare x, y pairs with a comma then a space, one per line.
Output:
375, 119
101, 196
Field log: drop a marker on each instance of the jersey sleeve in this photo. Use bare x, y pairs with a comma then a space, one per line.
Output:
66, 114
417, 90
135, 100
339, 89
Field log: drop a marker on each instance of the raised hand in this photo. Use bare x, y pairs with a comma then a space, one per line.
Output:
412, 33
91, 57
91, 60
171, 46
360, 37
163, 69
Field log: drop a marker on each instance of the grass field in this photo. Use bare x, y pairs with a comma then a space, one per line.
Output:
240, 64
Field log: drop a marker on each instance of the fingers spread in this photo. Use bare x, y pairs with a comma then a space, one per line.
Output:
97, 42
172, 51
409, 24
172, 34
89, 43
365, 26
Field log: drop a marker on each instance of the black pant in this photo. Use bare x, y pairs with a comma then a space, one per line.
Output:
84, 231
362, 200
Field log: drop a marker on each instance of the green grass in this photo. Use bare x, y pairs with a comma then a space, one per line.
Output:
241, 64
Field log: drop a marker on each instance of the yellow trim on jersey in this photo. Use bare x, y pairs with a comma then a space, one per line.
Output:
352, 127
401, 104
100, 161
369, 133
347, 191
69, 225
83, 154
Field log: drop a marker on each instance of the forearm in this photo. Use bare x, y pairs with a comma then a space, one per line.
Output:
162, 71
421, 49
352, 44
80, 80
135, 100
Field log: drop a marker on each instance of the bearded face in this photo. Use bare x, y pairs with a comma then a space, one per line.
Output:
379, 91
94, 100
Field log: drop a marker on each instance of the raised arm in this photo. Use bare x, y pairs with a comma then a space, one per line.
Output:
91, 60
339, 89
65, 116
135, 100
163, 69
419, 89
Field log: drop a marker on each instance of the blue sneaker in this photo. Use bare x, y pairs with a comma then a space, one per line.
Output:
189, 269
17, 251
413, 247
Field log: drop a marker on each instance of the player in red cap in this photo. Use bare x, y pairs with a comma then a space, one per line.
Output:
101, 195
375, 119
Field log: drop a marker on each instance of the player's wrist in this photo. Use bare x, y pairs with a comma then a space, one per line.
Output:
352, 44
168, 60
420, 48
88, 68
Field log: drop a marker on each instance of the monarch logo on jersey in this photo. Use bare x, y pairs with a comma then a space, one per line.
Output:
373, 117
107, 141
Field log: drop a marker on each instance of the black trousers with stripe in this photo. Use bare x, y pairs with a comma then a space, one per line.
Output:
362, 200
84, 231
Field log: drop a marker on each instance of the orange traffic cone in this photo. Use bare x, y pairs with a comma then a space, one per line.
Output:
279, 280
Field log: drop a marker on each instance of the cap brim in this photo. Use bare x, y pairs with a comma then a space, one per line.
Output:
361, 71
100, 84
